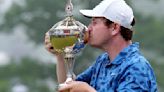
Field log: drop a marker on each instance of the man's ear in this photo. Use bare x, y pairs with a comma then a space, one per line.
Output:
115, 28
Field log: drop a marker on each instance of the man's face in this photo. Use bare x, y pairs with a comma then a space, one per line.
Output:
99, 33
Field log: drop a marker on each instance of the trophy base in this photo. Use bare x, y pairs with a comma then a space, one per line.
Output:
60, 86
64, 84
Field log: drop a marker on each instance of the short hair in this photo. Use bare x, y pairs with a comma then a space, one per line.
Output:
125, 32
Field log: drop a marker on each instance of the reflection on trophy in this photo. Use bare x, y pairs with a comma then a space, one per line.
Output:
68, 37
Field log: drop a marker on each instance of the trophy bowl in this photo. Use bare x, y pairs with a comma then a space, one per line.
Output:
67, 33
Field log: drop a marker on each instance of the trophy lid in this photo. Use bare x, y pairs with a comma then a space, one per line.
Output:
68, 26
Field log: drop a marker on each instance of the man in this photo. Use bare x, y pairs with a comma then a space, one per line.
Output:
121, 68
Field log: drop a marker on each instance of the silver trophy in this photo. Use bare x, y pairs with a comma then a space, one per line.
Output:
68, 37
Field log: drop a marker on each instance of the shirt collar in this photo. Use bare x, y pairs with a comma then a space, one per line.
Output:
124, 53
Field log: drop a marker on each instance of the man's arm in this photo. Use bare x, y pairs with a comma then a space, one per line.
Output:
60, 67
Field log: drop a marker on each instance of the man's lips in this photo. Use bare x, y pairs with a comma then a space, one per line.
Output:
86, 37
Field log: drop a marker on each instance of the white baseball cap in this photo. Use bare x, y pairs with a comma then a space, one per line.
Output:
115, 10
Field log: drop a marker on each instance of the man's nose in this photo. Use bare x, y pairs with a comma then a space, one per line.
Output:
89, 28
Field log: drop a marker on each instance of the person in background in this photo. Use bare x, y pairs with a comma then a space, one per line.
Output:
121, 68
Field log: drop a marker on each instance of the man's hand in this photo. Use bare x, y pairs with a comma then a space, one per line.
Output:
48, 45
77, 86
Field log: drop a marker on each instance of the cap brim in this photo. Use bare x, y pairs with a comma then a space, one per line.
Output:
90, 13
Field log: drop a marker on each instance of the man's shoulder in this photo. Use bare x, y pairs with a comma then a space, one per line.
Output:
137, 63
137, 58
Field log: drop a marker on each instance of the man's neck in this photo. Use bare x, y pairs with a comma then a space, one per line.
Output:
116, 47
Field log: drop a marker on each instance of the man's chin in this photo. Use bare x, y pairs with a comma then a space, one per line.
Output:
92, 44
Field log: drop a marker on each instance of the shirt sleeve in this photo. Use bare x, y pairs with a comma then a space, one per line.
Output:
86, 75
138, 78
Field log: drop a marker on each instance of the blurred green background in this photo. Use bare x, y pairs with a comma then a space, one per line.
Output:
25, 65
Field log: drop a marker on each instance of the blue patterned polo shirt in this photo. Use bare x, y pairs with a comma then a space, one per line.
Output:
129, 72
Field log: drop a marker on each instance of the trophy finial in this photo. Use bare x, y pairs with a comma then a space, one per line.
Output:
69, 8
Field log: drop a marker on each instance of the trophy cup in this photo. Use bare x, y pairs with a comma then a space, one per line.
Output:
68, 37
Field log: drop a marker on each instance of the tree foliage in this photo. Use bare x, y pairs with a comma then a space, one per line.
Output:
149, 32
36, 16
28, 72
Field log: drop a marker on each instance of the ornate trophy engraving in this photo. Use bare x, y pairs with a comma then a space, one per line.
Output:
68, 37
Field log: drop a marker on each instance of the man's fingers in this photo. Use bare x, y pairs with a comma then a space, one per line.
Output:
48, 44
47, 33
47, 37
46, 41
65, 88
